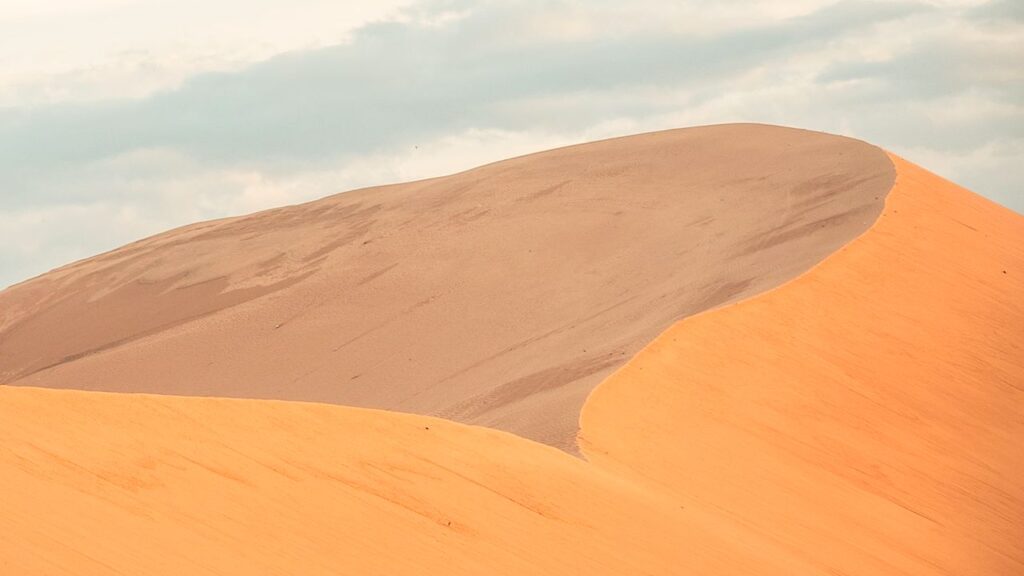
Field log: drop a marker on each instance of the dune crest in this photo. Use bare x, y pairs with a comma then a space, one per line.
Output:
866, 415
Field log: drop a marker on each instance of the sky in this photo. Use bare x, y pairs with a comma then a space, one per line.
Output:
123, 118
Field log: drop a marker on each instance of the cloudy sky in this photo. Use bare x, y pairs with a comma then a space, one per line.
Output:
122, 118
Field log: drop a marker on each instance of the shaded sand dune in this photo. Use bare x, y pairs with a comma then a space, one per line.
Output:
869, 415
499, 296
864, 418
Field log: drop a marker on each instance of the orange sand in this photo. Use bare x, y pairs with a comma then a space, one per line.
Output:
101, 483
869, 415
864, 418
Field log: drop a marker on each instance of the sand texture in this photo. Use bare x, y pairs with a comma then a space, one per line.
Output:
95, 483
499, 296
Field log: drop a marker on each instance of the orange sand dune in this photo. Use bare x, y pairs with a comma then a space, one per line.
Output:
868, 416
863, 419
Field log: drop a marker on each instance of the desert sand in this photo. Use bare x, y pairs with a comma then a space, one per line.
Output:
868, 415
100, 483
499, 296
855, 408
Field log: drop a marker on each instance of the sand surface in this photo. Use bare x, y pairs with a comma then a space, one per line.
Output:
499, 296
868, 416
864, 418
99, 483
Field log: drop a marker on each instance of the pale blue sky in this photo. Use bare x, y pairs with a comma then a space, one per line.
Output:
121, 118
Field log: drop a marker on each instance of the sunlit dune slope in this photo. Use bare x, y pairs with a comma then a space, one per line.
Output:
98, 483
499, 296
868, 416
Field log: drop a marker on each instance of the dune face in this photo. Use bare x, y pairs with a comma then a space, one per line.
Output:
866, 416
499, 296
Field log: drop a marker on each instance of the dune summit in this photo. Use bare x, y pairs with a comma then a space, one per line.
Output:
498, 296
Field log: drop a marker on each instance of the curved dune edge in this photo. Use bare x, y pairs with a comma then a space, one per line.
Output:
866, 415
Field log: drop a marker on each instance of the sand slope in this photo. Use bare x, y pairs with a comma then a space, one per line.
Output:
96, 483
499, 296
867, 416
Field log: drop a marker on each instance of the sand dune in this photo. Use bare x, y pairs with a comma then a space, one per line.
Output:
499, 296
859, 412
869, 415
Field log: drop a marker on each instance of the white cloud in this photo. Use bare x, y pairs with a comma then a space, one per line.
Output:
450, 84
74, 50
